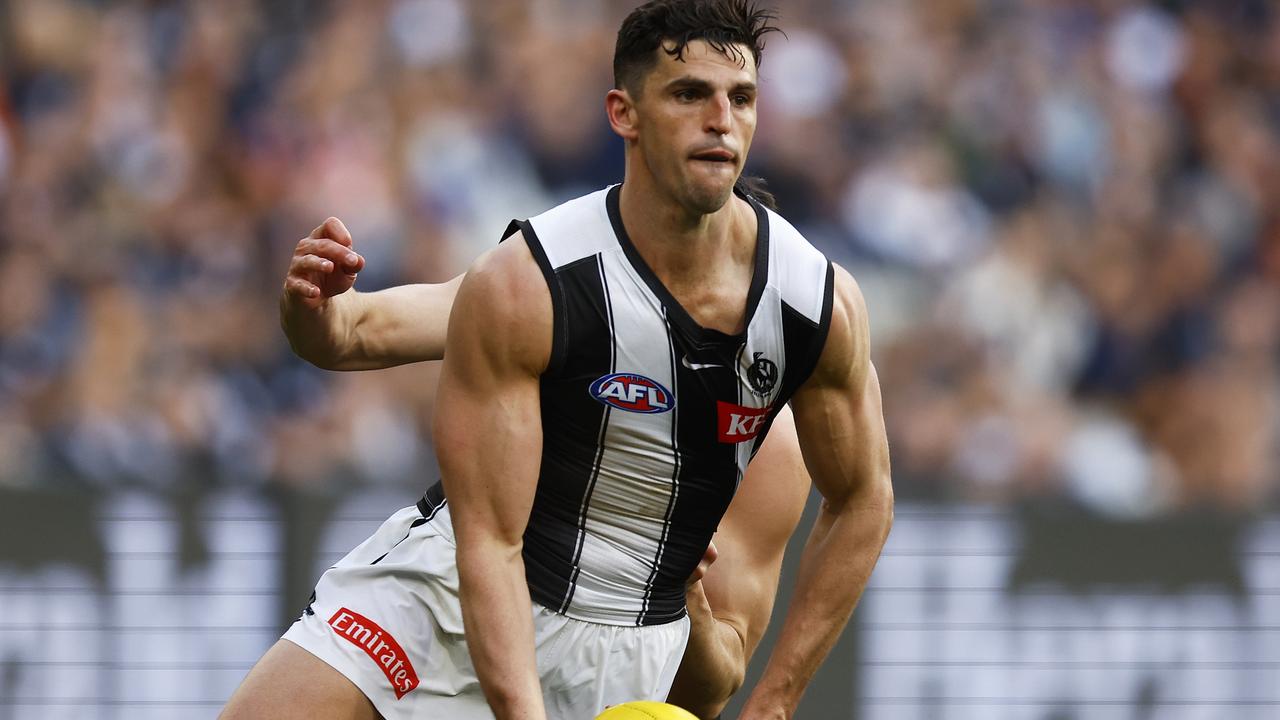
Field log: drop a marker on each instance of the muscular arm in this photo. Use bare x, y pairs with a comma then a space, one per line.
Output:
488, 435
730, 607
841, 430
368, 331
332, 326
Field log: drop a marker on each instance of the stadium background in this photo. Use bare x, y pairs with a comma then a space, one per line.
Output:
1065, 217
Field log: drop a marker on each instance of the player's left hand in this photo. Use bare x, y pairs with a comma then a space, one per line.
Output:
324, 264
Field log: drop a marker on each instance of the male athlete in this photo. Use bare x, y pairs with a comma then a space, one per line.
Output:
610, 370
729, 608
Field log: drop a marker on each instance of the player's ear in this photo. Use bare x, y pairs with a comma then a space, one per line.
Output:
621, 110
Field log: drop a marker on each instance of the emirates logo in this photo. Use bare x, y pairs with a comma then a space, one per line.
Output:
378, 644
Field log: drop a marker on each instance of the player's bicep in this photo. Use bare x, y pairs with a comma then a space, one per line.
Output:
488, 429
839, 419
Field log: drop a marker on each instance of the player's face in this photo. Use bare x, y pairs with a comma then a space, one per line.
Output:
696, 120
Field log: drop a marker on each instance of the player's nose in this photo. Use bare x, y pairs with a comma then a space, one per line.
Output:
719, 115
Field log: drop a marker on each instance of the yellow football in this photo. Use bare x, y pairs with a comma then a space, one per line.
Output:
645, 710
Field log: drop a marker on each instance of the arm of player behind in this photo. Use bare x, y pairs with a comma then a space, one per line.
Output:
714, 661
730, 608
841, 431
331, 325
488, 437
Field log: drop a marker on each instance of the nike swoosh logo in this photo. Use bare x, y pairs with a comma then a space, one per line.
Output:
698, 366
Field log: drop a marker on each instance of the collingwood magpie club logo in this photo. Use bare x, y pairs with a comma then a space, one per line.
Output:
762, 376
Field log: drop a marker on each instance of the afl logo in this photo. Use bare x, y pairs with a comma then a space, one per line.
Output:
633, 393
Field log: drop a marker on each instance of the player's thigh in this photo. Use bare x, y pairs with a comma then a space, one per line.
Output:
289, 682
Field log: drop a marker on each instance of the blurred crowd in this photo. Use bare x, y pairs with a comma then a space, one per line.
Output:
1065, 215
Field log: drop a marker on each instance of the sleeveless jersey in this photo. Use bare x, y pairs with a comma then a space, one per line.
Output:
649, 419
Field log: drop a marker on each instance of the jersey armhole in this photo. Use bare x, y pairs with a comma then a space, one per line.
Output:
814, 348
823, 329
553, 284
824, 325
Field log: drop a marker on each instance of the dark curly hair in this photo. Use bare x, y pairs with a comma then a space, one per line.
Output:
723, 24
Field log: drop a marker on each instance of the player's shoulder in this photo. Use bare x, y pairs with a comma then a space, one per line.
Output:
799, 271
847, 351
822, 291
788, 241
504, 307
849, 305
572, 230
506, 280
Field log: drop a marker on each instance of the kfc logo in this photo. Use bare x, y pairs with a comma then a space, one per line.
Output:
738, 423
379, 646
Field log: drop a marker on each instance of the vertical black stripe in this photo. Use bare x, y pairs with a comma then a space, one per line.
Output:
572, 423
804, 340
707, 467
737, 360
604, 426
675, 474
559, 339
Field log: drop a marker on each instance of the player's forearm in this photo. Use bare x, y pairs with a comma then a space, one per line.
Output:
496, 612
837, 561
370, 331
322, 336
403, 324
714, 661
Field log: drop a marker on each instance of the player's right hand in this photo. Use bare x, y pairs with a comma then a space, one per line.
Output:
323, 265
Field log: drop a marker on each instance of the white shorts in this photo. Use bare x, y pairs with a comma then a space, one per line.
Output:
387, 617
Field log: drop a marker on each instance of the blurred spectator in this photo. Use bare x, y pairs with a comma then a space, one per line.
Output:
1064, 216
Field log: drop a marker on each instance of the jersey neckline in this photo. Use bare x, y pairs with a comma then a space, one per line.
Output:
676, 311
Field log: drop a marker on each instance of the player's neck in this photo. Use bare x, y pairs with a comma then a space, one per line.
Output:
678, 244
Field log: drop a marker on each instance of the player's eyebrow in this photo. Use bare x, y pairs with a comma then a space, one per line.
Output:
695, 83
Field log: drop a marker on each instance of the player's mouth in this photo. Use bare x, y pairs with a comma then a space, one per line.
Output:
715, 155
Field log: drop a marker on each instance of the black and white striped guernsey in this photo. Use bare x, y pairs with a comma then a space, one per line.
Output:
649, 419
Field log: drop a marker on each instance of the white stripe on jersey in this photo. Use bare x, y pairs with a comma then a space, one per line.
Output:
632, 497
793, 265
764, 336
580, 227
